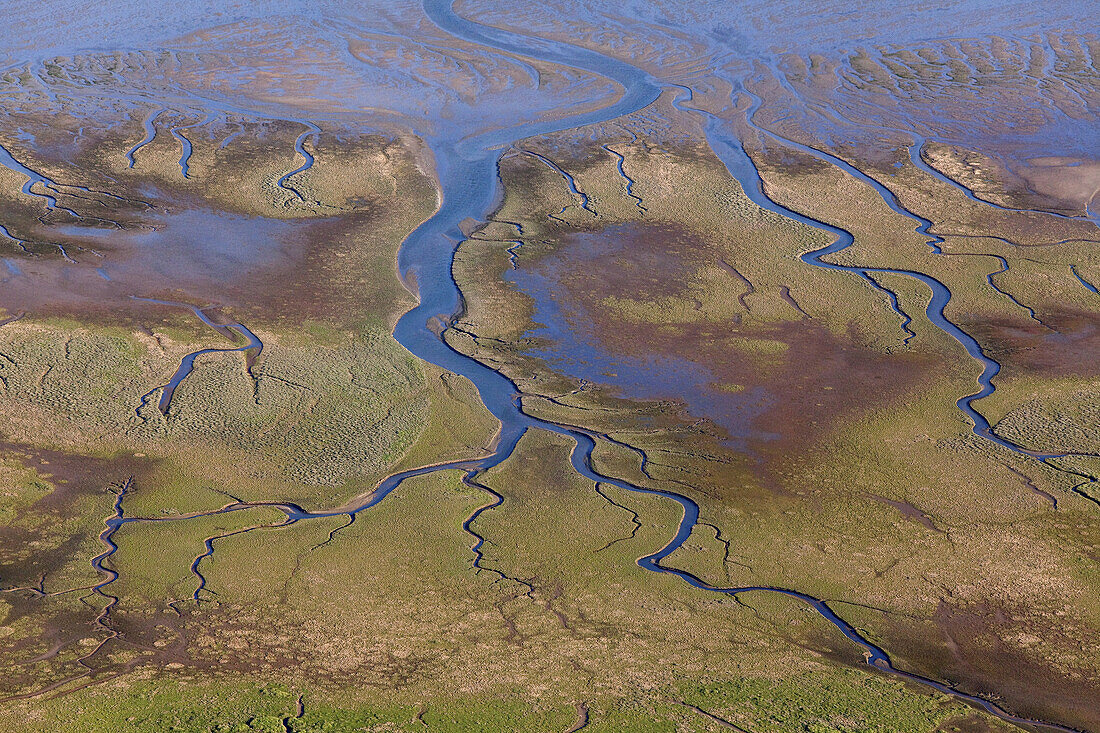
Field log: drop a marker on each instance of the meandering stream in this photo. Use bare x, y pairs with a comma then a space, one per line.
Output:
467, 169
470, 186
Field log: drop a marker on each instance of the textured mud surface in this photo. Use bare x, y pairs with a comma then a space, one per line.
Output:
496, 366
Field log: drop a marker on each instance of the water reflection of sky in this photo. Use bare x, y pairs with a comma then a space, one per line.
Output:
363, 65
336, 59
575, 349
194, 244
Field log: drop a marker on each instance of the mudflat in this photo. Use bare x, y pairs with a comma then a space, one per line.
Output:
530, 367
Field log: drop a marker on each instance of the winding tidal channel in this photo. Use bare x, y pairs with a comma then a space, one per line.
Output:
468, 175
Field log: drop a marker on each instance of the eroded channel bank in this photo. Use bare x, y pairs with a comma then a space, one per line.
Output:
470, 184
468, 176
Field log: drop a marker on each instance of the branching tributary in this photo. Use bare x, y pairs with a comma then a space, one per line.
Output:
251, 348
741, 166
469, 178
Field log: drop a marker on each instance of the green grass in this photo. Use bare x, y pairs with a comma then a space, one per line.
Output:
385, 619
790, 516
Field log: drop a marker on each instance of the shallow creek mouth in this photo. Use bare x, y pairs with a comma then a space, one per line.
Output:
468, 176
